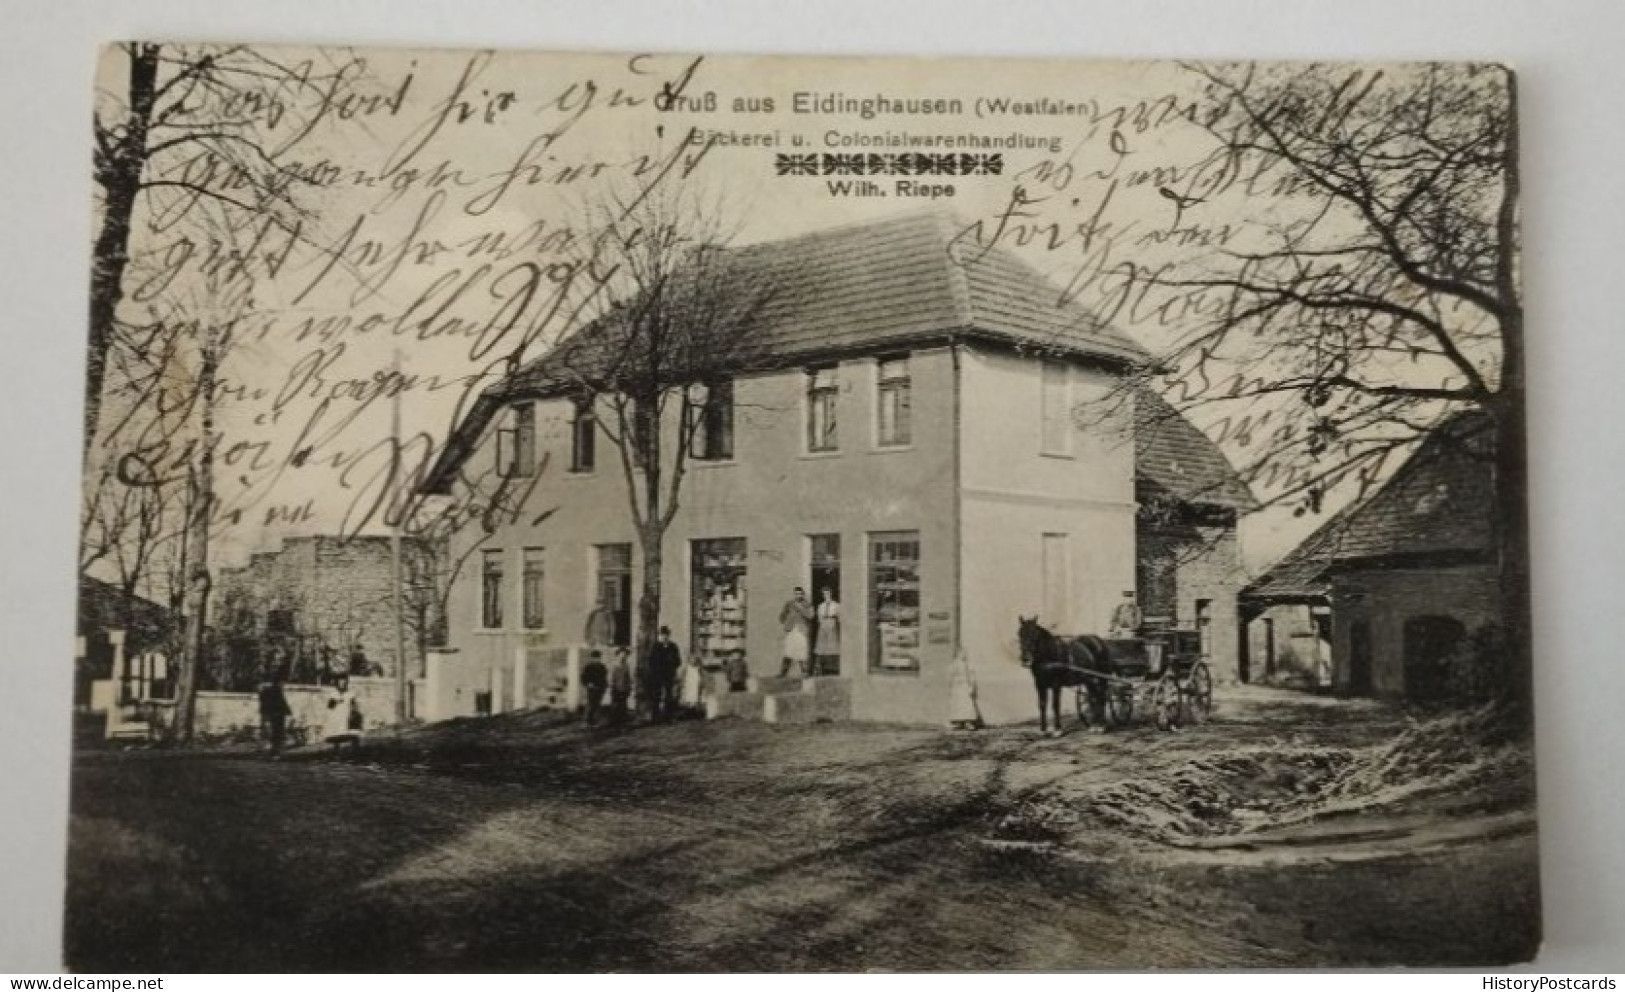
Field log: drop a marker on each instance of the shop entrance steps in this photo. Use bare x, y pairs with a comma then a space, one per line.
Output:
821, 699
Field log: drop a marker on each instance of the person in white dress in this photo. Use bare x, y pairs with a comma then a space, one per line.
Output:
340, 706
827, 635
963, 713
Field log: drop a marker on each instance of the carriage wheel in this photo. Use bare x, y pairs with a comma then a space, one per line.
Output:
1199, 692
1119, 705
1166, 702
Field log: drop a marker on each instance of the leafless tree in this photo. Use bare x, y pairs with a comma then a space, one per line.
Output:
179, 127
677, 310
1382, 294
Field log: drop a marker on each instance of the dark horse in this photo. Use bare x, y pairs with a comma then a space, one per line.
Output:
1058, 663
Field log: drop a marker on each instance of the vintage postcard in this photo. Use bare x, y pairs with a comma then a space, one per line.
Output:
671, 512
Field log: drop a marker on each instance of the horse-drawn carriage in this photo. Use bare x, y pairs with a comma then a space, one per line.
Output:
1113, 678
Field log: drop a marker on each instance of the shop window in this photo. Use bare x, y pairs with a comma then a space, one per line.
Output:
717, 620
516, 444
895, 417
1056, 433
531, 577
823, 393
894, 591
491, 590
713, 431
583, 437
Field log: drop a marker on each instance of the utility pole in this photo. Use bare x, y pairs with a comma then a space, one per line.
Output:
402, 712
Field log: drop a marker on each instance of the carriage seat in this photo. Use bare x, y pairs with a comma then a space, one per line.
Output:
1130, 658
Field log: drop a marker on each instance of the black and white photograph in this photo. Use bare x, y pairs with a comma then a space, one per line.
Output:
667, 512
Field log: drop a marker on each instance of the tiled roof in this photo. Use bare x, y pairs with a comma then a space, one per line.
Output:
1438, 504
884, 283
102, 607
1173, 455
860, 288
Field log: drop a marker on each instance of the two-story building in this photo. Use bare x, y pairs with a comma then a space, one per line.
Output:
936, 441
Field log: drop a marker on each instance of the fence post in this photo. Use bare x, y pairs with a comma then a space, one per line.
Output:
520, 678
572, 678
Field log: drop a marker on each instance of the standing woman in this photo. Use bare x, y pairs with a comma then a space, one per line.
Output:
827, 639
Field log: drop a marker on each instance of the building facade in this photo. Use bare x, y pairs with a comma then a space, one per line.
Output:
935, 451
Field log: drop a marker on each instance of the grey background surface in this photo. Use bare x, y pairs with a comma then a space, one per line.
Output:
1573, 68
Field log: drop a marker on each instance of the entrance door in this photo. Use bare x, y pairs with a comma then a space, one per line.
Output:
825, 592
1430, 644
1360, 658
615, 588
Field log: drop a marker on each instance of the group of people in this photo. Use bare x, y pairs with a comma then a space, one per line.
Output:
343, 722
664, 686
812, 634
659, 684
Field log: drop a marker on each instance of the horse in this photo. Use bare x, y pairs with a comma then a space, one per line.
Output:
1058, 663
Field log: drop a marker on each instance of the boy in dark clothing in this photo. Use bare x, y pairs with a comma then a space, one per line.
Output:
274, 713
665, 661
594, 680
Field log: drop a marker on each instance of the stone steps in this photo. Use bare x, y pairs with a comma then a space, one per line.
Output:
789, 700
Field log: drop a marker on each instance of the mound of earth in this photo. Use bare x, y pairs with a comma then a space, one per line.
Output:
1471, 758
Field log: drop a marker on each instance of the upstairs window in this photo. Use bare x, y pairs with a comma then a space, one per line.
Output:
516, 443
822, 392
583, 437
644, 434
713, 429
1056, 432
532, 576
491, 590
895, 418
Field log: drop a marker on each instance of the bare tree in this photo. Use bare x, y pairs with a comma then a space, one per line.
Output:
183, 127
1382, 295
678, 310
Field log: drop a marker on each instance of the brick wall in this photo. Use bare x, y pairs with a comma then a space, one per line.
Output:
1183, 564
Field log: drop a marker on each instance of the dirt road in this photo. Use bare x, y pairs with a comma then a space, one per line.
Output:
528, 843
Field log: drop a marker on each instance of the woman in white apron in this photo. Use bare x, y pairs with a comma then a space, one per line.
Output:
827, 637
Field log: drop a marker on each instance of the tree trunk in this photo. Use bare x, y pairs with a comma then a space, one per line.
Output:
118, 172
1512, 541
651, 538
1512, 438
197, 569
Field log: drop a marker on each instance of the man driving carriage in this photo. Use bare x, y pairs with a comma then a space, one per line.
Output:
1126, 618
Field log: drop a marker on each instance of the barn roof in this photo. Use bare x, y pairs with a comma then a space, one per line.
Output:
1172, 455
103, 607
858, 289
1436, 507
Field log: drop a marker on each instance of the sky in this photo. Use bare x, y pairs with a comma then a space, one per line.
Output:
432, 208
